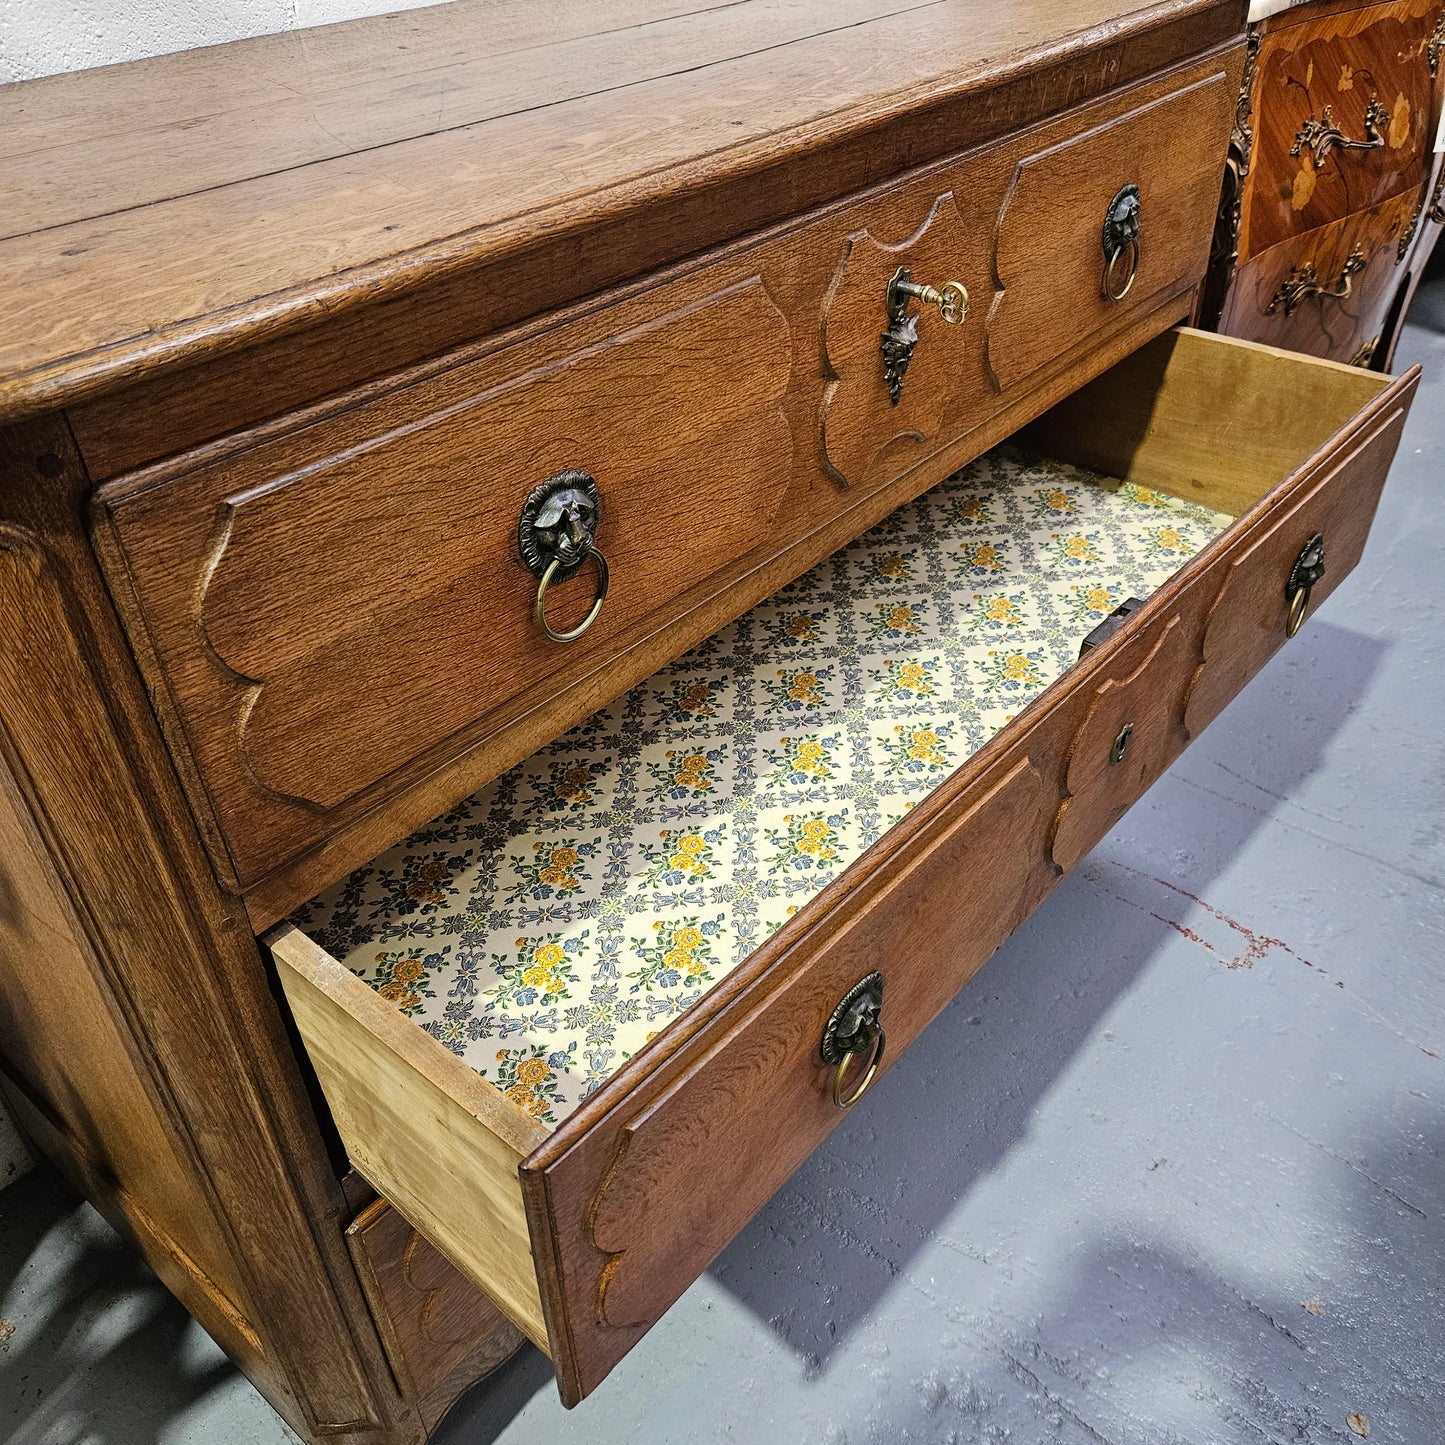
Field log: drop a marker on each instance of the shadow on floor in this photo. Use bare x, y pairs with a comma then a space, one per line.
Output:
900, 1164
817, 1260
100, 1350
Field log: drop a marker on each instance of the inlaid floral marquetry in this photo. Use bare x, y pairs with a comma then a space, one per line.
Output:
547, 927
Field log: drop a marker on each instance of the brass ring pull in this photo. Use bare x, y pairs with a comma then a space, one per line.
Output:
870, 1072
573, 633
1299, 605
1112, 291
1120, 239
854, 1031
1307, 570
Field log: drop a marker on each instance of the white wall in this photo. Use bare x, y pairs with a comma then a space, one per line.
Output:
41, 37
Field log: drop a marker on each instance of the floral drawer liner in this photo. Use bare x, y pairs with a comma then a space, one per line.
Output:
547, 927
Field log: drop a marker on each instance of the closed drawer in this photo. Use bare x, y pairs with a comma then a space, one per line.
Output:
1344, 110
440, 1331
576, 1030
332, 610
1327, 292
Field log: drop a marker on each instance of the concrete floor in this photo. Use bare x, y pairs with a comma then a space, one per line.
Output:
1180, 1178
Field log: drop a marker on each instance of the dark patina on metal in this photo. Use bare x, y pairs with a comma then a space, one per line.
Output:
559, 524
1308, 567
1121, 743
1110, 625
855, 1023
1121, 220
898, 341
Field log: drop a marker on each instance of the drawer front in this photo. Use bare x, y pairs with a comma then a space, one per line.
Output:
332, 611
1344, 112
1248, 618
1032, 264
441, 1332
594, 1228
628, 1226
362, 586
1327, 293
618, 1217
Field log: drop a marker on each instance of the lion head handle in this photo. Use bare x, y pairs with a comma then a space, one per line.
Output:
559, 522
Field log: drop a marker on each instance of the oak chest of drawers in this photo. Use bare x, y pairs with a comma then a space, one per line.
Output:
628, 453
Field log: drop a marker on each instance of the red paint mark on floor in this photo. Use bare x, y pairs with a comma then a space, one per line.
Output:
1256, 945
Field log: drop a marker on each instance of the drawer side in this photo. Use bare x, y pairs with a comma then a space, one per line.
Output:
439, 1142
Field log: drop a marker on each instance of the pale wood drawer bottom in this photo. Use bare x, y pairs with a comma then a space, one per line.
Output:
584, 1227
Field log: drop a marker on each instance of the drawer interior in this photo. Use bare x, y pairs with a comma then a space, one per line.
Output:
547, 928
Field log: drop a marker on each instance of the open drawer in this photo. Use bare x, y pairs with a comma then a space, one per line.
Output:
581, 1028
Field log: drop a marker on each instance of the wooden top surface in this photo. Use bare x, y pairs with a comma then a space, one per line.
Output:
175, 206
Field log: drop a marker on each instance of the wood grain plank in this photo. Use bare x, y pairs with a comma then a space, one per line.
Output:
119, 296
398, 49
280, 130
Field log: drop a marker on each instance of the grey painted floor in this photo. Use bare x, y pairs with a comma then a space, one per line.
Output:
1170, 1170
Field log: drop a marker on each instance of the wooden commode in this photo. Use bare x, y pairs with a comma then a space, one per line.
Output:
567, 575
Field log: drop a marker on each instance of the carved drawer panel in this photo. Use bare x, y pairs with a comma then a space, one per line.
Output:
440, 1330
1327, 292
1343, 117
1050, 281
1130, 732
585, 1222
350, 595
1022, 232
333, 611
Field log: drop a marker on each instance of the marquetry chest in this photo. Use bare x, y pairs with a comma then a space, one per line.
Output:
1331, 202
567, 574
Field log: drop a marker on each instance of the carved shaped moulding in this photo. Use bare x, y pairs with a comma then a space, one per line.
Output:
1131, 732
402, 559
1048, 257
759, 1093
864, 434
441, 1333
329, 605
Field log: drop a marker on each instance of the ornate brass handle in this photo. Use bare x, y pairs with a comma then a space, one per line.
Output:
1304, 281
1436, 212
557, 537
1308, 568
901, 335
1435, 44
1121, 243
1321, 136
853, 1030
